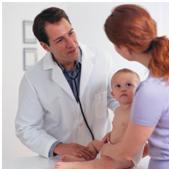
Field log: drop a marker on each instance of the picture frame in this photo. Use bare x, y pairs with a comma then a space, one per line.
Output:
28, 36
29, 58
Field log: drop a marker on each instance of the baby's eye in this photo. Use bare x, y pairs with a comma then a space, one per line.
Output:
118, 86
129, 84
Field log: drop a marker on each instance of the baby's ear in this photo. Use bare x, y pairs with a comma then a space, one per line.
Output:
112, 93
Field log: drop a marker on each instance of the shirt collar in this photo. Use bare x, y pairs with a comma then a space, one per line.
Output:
77, 64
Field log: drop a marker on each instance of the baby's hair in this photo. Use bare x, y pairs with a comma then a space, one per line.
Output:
126, 70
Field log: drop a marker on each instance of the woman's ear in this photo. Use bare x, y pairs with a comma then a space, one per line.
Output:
125, 52
130, 51
125, 49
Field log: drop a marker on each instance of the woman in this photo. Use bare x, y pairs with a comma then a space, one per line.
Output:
133, 32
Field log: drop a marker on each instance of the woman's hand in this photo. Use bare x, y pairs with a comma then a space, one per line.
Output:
146, 150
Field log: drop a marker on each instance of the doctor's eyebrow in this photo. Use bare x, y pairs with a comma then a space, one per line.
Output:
62, 37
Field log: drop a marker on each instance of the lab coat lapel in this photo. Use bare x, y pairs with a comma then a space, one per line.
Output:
59, 78
87, 66
57, 74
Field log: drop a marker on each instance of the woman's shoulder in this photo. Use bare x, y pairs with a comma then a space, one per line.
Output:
153, 85
153, 89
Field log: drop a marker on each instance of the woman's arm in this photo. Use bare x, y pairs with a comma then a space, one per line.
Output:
132, 142
134, 138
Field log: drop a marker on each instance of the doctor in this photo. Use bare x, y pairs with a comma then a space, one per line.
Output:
64, 98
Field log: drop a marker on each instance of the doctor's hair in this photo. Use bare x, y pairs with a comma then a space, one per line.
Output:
131, 26
50, 15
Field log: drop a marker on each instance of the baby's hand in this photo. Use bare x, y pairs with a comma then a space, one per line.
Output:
106, 138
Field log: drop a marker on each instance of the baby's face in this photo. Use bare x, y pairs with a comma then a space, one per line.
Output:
124, 85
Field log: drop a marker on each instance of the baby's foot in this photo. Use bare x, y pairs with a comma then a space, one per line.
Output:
71, 158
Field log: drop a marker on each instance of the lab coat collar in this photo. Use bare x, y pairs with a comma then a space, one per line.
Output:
87, 67
48, 62
58, 76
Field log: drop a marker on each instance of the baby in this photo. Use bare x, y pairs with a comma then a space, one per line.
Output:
124, 83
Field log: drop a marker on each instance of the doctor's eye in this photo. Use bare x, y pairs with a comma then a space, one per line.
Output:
71, 32
59, 40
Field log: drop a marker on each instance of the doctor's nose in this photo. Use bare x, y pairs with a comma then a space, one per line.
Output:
70, 43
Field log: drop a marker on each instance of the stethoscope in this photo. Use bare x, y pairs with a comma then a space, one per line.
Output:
79, 102
78, 98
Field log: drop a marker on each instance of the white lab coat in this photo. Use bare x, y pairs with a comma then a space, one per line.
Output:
48, 111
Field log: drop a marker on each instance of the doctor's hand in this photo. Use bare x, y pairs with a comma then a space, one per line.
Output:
73, 149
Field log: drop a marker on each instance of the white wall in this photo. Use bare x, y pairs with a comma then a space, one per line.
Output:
88, 20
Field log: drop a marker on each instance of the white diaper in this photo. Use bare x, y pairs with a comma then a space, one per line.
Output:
138, 157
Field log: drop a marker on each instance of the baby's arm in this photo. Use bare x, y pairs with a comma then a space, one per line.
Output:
95, 146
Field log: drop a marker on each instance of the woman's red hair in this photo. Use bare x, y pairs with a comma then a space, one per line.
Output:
132, 26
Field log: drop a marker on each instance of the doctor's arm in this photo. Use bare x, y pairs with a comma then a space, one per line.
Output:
30, 130
29, 120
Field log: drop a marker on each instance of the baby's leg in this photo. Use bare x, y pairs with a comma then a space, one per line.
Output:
103, 163
71, 158
93, 164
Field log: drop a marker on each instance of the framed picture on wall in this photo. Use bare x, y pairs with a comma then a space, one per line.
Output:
29, 58
28, 36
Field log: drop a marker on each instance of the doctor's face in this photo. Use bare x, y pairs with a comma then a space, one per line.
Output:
62, 42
